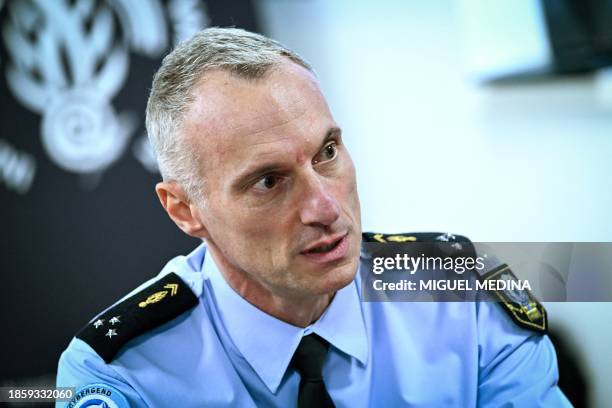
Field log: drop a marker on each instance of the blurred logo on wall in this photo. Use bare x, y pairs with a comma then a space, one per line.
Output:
67, 60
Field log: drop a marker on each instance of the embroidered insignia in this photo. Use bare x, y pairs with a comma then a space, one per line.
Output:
400, 238
110, 333
98, 395
446, 237
520, 305
383, 238
154, 298
157, 296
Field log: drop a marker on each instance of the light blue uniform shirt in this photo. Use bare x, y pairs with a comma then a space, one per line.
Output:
226, 352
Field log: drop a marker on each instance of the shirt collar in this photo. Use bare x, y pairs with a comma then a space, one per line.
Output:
268, 343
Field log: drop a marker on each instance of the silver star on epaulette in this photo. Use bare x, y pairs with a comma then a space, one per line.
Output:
457, 246
114, 320
98, 323
446, 237
110, 333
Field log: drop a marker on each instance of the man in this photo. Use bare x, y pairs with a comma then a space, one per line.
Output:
267, 312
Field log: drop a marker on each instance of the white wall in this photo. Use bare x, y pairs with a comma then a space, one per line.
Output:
435, 151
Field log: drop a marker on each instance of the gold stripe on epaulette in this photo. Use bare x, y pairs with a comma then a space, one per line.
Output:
401, 238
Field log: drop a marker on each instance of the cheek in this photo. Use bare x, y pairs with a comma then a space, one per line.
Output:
247, 241
348, 184
350, 196
251, 231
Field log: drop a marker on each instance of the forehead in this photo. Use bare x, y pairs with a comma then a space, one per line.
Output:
233, 119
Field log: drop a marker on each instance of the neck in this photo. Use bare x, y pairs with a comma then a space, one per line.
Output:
296, 309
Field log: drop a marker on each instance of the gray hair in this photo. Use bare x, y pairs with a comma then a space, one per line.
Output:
244, 54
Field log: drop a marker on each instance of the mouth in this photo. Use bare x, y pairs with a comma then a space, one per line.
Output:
328, 250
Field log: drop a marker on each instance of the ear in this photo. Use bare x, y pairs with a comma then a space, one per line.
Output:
180, 210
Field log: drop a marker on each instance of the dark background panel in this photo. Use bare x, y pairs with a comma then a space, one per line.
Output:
74, 243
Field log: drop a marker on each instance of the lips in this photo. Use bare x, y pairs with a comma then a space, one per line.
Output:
324, 248
329, 250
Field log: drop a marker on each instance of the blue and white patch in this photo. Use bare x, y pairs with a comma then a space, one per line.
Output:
98, 396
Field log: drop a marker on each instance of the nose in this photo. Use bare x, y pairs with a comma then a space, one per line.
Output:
318, 206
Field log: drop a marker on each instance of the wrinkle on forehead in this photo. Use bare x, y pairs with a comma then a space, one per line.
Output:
256, 130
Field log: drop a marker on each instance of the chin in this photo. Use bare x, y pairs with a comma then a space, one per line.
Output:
337, 278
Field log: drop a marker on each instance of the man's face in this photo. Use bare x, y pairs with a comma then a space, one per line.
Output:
282, 209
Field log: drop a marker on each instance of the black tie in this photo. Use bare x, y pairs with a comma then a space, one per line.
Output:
308, 361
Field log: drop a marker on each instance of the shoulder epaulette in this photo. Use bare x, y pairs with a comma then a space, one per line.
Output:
158, 303
413, 237
522, 307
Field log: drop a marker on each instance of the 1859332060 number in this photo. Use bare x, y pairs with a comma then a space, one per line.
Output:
36, 394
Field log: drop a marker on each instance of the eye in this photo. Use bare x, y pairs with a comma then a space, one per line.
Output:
329, 152
266, 183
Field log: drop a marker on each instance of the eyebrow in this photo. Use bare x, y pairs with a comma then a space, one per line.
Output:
254, 173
